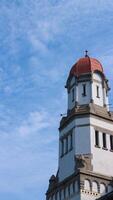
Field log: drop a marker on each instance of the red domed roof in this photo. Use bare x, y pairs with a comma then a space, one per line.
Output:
86, 65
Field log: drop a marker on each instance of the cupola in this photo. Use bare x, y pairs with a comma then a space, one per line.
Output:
86, 65
87, 83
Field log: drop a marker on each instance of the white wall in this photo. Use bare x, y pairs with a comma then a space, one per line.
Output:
82, 140
84, 143
81, 145
66, 163
71, 103
78, 91
91, 92
102, 159
89, 196
84, 99
97, 81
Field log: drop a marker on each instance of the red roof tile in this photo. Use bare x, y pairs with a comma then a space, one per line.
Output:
86, 65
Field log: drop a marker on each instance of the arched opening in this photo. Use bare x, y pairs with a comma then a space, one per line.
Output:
95, 187
102, 188
87, 185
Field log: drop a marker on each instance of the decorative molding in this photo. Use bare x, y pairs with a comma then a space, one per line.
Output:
102, 130
67, 133
90, 193
79, 179
83, 161
53, 181
76, 103
97, 112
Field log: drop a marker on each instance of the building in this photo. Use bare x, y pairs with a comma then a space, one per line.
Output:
85, 168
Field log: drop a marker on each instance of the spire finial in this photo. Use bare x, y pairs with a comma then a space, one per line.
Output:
86, 53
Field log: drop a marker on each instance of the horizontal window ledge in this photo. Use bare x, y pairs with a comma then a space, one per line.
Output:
97, 146
104, 148
63, 155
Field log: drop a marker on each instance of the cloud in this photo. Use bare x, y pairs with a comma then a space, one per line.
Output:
39, 42
24, 149
38, 45
35, 122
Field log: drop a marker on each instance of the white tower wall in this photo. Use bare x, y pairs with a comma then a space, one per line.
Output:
102, 158
81, 98
97, 82
81, 145
99, 98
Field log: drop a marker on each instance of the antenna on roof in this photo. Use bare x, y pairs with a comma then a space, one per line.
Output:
86, 53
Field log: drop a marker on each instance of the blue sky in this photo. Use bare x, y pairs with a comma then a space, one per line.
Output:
39, 42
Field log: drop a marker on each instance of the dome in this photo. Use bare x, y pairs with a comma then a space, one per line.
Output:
86, 65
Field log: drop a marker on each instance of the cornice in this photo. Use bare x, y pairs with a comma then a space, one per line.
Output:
86, 111
79, 176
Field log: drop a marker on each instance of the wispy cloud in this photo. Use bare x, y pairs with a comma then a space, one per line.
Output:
39, 42
25, 149
34, 123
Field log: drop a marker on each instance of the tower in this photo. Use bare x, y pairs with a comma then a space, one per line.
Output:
85, 168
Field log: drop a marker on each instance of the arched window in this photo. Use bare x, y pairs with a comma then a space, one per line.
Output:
73, 94
76, 186
87, 185
62, 147
111, 142
66, 192
57, 196
102, 188
53, 197
71, 188
84, 90
95, 187
62, 194
97, 88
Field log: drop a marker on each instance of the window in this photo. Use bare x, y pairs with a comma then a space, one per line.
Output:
107, 93
102, 188
104, 140
84, 90
97, 138
64, 192
56, 195
111, 142
98, 92
71, 141
94, 186
62, 147
69, 190
60, 195
73, 187
73, 94
66, 144
87, 185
